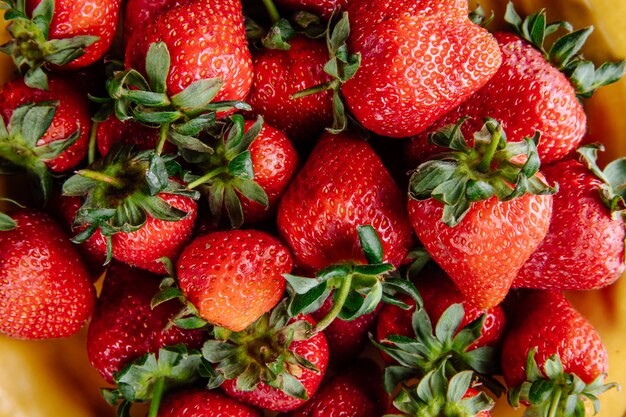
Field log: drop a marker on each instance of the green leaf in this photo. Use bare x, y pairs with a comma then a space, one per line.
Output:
53, 149
370, 244
458, 386
233, 207
158, 66
6, 222
156, 207
565, 48
449, 323
310, 301
428, 176
251, 190
198, 94
190, 323
42, 16
339, 34
165, 295
188, 142
241, 166
157, 176
279, 35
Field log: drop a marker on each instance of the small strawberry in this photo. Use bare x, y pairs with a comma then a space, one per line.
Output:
418, 61
480, 211
69, 34
552, 357
44, 131
200, 402
274, 364
342, 185
45, 291
125, 326
233, 277
249, 170
588, 212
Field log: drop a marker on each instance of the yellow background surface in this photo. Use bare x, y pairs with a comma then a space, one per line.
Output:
53, 378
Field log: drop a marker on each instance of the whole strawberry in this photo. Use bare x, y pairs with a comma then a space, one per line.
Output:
65, 33
45, 291
342, 185
553, 351
200, 402
588, 210
233, 277
480, 212
418, 61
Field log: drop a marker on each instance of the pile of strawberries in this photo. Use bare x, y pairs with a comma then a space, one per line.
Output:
270, 190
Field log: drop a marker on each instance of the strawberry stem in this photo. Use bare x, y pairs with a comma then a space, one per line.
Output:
101, 177
554, 403
91, 154
163, 129
272, 11
485, 164
157, 394
344, 290
329, 85
206, 177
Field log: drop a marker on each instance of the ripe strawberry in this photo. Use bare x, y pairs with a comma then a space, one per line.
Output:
112, 130
587, 210
555, 352
65, 33
45, 290
58, 141
138, 13
418, 60
529, 92
342, 185
200, 402
480, 212
248, 172
355, 392
323, 8
223, 54
274, 364
233, 277
280, 73
125, 326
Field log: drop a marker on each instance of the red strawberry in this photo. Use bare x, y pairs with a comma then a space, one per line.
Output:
418, 60
342, 185
594, 254
200, 402
138, 13
45, 290
124, 325
478, 212
280, 73
215, 46
323, 8
550, 341
112, 131
355, 392
233, 277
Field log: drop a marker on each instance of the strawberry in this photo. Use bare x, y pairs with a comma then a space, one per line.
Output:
58, 141
65, 33
588, 211
481, 212
323, 8
278, 74
553, 351
275, 364
351, 393
342, 185
248, 172
200, 402
131, 200
45, 290
530, 93
125, 326
138, 13
233, 277
112, 130
418, 61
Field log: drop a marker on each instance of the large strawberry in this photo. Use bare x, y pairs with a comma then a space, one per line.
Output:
234, 277
200, 402
65, 33
481, 211
45, 131
531, 91
418, 60
45, 291
552, 357
588, 211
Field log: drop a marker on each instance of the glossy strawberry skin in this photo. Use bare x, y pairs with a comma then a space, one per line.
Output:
593, 256
526, 95
315, 350
72, 114
112, 131
419, 60
483, 253
215, 46
234, 277
200, 402
279, 74
274, 162
45, 289
323, 8
124, 327
84, 17
138, 13
342, 185
547, 321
